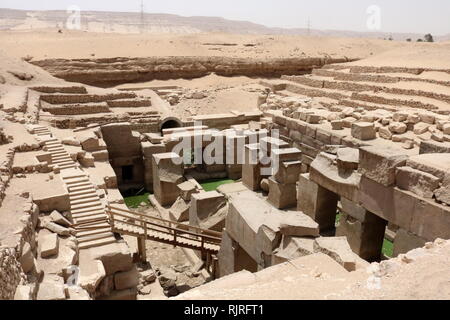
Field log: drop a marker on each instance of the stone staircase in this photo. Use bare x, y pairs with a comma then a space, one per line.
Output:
87, 209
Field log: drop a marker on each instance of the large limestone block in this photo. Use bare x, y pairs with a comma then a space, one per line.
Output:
318, 203
89, 142
338, 249
363, 131
299, 225
167, 174
206, 210
56, 228
92, 272
292, 248
149, 149
282, 195
347, 158
51, 291
379, 163
180, 210
251, 169
127, 279
288, 172
421, 183
115, 257
325, 173
443, 193
268, 144
437, 164
49, 245
286, 154
434, 147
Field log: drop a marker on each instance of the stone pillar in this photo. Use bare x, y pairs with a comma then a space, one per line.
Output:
232, 258
148, 150
168, 172
363, 229
317, 202
234, 145
251, 169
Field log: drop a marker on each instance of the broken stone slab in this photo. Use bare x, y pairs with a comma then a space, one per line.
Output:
421, 183
292, 248
443, 193
56, 228
51, 291
127, 279
116, 257
49, 245
91, 273
363, 130
167, 277
59, 219
180, 210
299, 225
338, 249
379, 163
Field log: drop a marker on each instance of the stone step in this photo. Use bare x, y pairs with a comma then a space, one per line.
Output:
82, 196
88, 209
97, 218
87, 186
97, 243
61, 157
88, 214
102, 230
88, 199
75, 183
86, 205
86, 191
68, 166
62, 162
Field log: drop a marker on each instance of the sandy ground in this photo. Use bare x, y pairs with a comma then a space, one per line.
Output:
42, 44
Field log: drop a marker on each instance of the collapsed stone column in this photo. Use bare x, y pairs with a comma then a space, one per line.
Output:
317, 202
168, 172
363, 229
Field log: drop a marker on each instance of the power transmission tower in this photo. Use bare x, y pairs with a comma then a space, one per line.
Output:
309, 26
142, 16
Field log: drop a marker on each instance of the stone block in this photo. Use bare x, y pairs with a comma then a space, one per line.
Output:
115, 257
180, 210
437, 164
379, 163
282, 195
205, 210
434, 147
126, 280
347, 158
187, 188
338, 249
167, 174
292, 248
27, 260
251, 169
288, 172
51, 291
421, 183
363, 130
49, 245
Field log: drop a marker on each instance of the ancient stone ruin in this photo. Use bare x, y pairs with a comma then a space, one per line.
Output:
338, 178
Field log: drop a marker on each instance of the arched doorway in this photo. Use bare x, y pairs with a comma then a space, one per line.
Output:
171, 122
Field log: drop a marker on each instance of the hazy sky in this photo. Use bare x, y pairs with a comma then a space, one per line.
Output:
418, 16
